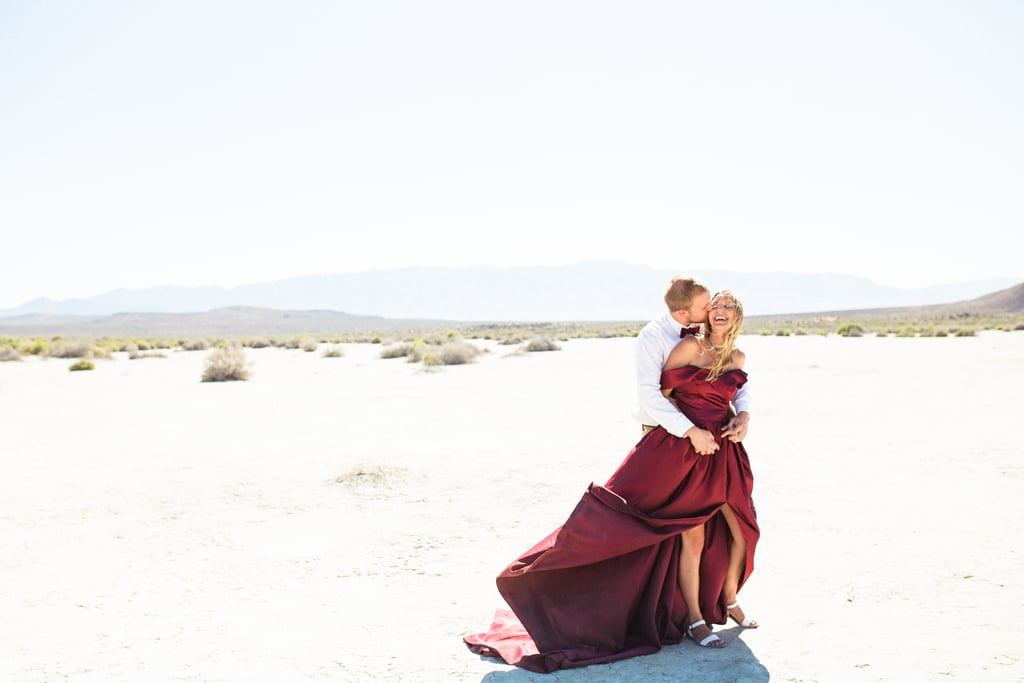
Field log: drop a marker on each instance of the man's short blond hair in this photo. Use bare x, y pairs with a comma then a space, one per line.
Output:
682, 291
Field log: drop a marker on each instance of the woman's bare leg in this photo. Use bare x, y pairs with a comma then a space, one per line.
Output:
737, 560
689, 582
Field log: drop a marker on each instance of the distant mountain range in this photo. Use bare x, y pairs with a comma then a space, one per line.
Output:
586, 291
252, 321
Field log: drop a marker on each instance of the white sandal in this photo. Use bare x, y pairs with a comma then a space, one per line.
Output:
707, 640
747, 621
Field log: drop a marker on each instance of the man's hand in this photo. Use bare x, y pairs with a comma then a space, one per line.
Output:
736, 429
703, 441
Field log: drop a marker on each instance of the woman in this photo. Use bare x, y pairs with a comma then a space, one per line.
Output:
662, 547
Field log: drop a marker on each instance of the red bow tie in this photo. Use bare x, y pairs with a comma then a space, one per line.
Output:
687, 331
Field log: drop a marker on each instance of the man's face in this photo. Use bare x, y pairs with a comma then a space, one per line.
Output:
698, 310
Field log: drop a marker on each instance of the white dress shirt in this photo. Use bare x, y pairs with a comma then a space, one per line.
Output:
653, 345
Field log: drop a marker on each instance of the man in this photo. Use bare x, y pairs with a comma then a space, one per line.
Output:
687, 300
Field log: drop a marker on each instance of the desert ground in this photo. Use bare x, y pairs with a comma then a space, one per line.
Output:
343, 519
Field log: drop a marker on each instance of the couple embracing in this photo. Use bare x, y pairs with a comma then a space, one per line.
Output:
659, 551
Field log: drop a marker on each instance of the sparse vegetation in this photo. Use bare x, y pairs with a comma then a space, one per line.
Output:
396, 350
308, 344
82, 365
226, 364
542, 344
196, 345
8, 354
333, 352
63, 349
455, 352
134, 353
850, 331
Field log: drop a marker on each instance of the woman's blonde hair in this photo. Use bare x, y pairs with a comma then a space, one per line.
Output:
724, 358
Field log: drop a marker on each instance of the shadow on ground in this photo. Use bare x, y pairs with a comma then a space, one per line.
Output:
685, 661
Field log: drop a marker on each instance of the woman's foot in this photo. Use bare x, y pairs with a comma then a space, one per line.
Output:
735, 613
702, 635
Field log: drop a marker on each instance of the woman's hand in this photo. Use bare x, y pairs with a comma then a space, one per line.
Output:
703, 441
736, 428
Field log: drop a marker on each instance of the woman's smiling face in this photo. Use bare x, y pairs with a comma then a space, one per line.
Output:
721, 312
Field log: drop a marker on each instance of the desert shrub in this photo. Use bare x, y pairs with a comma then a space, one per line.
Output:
308, 344
376, 340
941, 333
850, 331
782, 333
9, 354
965, 332
82, 365
63, 349
417, 350
1019, 326
196, 345
510, 340
542, 344
290, 344
259, 343
798, 332
433, 339
333, 352
134, 353
226, 364
35, 347
452, 353
396, 350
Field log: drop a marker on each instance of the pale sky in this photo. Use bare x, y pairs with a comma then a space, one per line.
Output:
225, 143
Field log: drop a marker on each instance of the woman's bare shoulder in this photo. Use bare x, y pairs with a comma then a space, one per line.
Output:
683, 353
738, 358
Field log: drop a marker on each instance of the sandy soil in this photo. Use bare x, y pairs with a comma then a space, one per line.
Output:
343, 519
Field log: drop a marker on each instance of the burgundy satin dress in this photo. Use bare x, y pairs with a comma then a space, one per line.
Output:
603, 586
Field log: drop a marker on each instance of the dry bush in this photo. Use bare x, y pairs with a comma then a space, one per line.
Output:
333, 352
511, 340
226, 364
82, 365
62, 349
308, 344
396, 350
8, 354
197, 345
259, 343
451, 353
542, 344
135, 354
